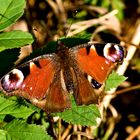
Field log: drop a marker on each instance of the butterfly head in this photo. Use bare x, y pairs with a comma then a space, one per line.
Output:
61, 46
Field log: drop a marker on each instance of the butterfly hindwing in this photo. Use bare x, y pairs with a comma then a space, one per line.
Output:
85, 93
58, 98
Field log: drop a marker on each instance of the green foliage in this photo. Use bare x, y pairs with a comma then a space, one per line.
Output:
136, 63
14, 39
73, 41
119, 5
19, 130
113, 81
4, 135
10, 11
8, 58
93, 2
83, 115
13, 108
110, 5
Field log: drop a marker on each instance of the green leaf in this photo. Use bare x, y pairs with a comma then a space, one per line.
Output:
51, 47
10, 11
83, 115
8, 57
13, 108
119, 5
4, 135
113, 81
73, 41
105, 3
14, 39
19, 130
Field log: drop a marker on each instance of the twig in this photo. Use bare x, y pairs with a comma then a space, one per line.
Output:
62, 10
83, 25
54, 7
59, 129
75, 129
109, 130
66, 132
128, 89
135, 133
79, 133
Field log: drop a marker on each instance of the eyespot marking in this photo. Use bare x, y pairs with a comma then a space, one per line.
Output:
113, 52
12, 81
96, 84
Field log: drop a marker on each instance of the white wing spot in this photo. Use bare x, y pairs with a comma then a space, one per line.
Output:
106, 61
93, 47
31, 88
32, 65
7, 78
23, 86
89, 78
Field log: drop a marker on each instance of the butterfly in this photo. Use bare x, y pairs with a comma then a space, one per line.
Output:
49, 80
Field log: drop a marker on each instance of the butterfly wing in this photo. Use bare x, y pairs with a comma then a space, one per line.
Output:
32, 78
34, 81
97, 60
58, 97
85, 93
39, 81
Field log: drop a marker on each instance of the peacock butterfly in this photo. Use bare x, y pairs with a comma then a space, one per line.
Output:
48, 81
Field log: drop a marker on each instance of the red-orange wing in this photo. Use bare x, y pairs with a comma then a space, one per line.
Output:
85, 93
58, 98
97, 60
40, 82
30, 80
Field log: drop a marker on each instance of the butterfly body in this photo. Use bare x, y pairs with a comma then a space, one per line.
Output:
49, 80
67, 63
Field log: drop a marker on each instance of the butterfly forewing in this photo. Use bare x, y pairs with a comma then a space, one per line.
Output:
96, 64
30, 80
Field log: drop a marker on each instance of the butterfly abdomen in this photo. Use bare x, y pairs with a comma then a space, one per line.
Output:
68, 78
